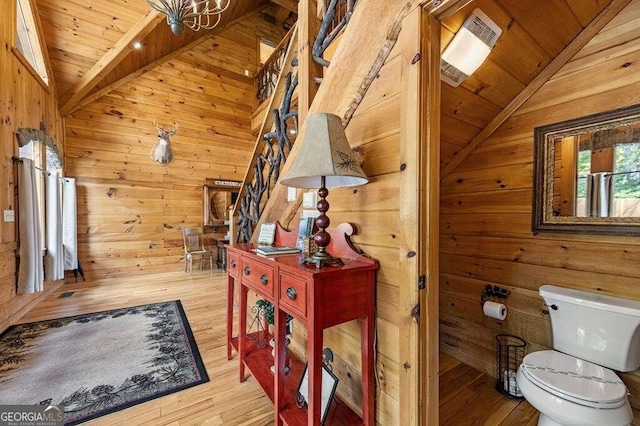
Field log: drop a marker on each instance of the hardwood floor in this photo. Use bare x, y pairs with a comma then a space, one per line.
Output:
468, 397
221, 401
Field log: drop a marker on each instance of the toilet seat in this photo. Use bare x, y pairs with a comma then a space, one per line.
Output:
574, 379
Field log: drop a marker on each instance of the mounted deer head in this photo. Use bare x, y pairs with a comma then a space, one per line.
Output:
161, 152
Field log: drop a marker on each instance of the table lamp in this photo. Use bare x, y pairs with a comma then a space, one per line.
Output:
324, 160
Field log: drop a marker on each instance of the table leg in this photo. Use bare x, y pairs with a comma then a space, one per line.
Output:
279, 362
367, 329
230, 290
314, 356
242, 329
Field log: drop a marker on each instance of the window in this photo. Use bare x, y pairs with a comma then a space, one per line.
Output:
34, 150
266, 49
27, 41
627, 168
621, 162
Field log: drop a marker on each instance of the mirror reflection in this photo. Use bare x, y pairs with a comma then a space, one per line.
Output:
597, 173
219, 196
587, 174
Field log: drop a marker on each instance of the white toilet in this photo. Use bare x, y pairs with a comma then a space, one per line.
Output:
573, 384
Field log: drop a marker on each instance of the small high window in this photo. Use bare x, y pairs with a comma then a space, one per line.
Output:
27, 41
266, 49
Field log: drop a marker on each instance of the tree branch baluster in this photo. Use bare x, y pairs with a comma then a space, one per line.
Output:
278, 147
335, 19
267, 76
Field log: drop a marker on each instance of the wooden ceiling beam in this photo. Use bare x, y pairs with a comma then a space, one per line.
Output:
110, 60
130, 77
291, 5
550, 70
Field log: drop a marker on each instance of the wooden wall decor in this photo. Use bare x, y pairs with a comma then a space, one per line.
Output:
486, 206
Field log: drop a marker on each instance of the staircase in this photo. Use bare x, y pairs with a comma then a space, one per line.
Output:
276, 82
272, 147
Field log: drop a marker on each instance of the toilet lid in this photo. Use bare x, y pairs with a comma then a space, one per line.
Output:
580, 380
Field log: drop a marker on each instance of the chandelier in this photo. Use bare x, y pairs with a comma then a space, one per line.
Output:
195, 14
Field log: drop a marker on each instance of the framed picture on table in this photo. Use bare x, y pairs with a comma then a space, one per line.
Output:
329, 385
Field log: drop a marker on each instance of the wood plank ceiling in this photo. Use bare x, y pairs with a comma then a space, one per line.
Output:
78, 33
534, 32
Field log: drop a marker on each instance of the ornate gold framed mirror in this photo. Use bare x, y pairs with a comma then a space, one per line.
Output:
587, 174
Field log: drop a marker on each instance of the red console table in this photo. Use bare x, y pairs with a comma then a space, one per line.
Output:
317, 299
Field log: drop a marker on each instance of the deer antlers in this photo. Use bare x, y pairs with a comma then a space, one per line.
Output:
166, 133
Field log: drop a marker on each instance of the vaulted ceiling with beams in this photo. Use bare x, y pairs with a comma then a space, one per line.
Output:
534, 32
90, 42
90, 46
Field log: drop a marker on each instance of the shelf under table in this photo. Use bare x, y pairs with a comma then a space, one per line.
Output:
258, 360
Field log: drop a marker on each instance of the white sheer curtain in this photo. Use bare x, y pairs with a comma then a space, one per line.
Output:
54, 262
599, 195
31, 271
69, 224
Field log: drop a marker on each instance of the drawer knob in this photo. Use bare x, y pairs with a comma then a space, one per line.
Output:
233, 263
264, 279
292, 293
247, 270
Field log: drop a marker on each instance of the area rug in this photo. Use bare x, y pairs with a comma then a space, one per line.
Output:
95, 364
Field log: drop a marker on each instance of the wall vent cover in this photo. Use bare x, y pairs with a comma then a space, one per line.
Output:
480, 25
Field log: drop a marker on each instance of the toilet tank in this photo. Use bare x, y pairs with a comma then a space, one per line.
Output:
594, 327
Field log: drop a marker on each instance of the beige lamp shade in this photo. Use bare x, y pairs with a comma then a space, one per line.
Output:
324, 151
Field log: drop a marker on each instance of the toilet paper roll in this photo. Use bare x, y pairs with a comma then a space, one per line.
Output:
494, 310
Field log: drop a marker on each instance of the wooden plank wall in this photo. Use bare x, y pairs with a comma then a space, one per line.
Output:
25, 103
131, 211
374, 131
486, 212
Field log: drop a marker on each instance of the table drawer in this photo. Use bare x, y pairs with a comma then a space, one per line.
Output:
233, 264
293, 294
257, 276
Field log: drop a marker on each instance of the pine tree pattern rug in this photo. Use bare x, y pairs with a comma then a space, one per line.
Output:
95, 364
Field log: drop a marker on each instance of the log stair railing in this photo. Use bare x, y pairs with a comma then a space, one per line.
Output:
274, 142
335, 19
271, 148
267, 76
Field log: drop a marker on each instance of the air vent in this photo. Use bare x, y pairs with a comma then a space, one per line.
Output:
451, 74
483, 27
66, 294
469, 48
269, 18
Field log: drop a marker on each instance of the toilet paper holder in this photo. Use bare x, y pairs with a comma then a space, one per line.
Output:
493, 291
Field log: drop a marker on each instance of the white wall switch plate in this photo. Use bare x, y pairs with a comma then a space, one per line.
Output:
9, 216
309, 200
292, 194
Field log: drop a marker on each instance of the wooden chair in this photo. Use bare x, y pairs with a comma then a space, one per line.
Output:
194, 248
